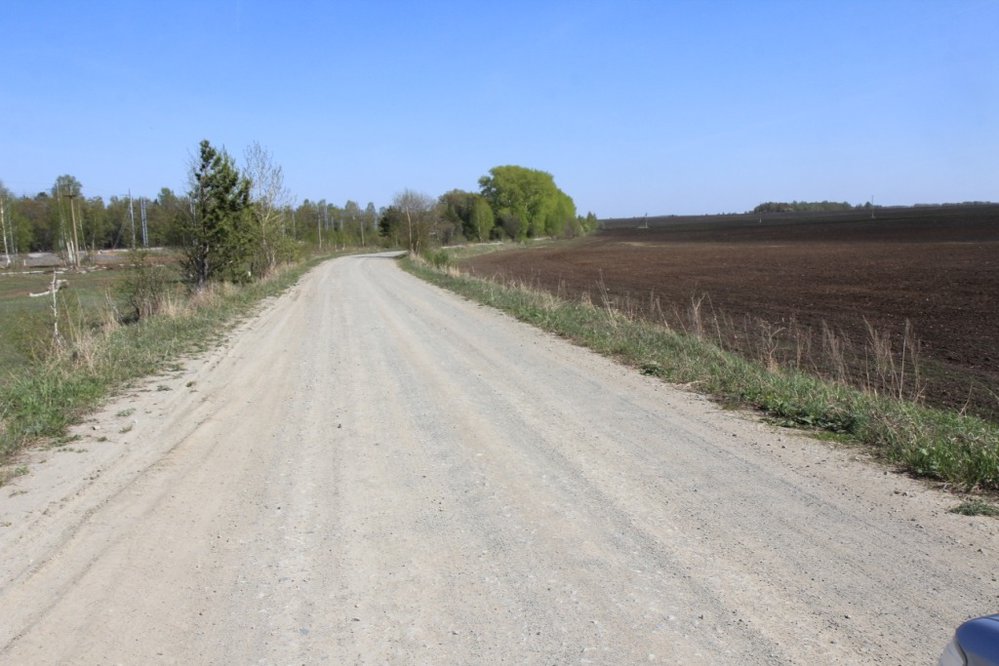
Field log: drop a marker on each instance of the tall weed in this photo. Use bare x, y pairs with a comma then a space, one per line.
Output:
148, 287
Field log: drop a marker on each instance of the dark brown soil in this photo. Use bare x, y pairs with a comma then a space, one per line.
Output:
938, 268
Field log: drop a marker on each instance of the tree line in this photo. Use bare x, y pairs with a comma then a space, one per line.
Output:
807, 207
513, 203
238, 222
64, 220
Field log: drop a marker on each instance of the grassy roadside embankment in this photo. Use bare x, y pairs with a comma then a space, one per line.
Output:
98, 354
960, 450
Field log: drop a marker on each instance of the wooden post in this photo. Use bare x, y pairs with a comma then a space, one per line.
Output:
3, 230
55, 309
76, 240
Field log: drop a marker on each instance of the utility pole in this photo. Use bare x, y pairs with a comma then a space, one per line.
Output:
62, 216
74, 255
409, 225
3, 230
131, 216
76, 236
145, 224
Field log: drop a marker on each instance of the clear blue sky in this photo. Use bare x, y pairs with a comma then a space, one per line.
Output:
635, 107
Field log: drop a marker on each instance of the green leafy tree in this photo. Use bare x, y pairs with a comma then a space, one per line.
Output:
94, 226
392, 227
218, 233
6, 225
802, 207
417, 210
269, 198
353, 223
66, 186
511, 224
560, 213
370, 219
482, 220
303, 222
526, 202
166, 218
456, 211
66, 192
19, 230
41, 218
468, 212
119, 227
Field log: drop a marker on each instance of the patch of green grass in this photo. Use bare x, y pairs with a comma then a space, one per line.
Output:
9, 473
651, 369
27, 322
439, 259
976, 507
958, 449
835, 437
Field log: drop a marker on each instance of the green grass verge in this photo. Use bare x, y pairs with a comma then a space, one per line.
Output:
27, 320
960, 450
40, 399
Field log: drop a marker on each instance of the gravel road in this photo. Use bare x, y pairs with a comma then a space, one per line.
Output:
375, 471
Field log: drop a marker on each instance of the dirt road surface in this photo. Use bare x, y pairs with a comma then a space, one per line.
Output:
375, 471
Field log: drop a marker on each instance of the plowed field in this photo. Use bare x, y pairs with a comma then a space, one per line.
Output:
937, 268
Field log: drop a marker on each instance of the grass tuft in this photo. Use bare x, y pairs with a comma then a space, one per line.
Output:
976, 507
9, 473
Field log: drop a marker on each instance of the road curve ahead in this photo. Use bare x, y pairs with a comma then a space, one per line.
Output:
376, 471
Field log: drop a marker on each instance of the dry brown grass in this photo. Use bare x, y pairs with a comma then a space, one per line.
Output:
884, 363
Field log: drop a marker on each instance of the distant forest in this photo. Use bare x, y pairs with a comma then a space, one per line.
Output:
841, 206
807, 207
514, 202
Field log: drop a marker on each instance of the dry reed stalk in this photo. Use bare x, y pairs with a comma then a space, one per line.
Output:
714, 319
769, 345
832, 345
696, 318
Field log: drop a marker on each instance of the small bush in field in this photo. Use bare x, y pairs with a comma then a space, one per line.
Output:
147, 289
439, 259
